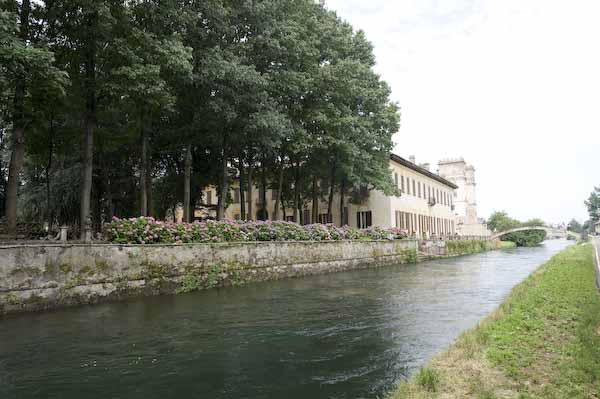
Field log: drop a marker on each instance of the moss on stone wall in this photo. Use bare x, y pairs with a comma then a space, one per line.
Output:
78, 276
218, 275
410, 256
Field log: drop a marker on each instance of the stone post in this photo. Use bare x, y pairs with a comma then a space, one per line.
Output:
63, 233
88, 230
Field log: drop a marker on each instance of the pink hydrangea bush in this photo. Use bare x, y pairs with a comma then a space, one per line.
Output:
147, 230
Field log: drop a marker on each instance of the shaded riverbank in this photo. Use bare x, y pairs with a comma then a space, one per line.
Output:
543, 342
343, 335
46, 276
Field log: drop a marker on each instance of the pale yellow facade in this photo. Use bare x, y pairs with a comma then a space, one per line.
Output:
423, 208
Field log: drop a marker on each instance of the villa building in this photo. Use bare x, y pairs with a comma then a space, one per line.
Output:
424, 208
463, 176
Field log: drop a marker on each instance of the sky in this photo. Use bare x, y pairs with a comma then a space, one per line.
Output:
512, 86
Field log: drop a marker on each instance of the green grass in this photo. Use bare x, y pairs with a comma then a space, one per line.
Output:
428, 379
543, 342
507, 244
468, 247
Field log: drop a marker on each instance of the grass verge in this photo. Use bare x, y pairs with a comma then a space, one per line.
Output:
543, 341
507, 244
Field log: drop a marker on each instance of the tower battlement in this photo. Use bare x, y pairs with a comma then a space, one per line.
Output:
451, 160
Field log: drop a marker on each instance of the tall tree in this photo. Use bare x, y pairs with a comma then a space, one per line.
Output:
25, 66
593, 205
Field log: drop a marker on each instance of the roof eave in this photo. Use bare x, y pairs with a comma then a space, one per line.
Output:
398, 159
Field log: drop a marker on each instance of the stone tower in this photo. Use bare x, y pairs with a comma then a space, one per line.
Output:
465, 200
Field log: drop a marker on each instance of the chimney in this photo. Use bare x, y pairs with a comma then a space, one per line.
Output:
412, 159
425, 166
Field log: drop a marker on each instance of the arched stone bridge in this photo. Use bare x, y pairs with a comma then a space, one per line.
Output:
552, 233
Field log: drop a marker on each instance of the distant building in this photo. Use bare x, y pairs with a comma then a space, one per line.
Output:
424, 208
465, 200
597, 227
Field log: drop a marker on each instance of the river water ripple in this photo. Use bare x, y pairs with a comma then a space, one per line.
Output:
344, 335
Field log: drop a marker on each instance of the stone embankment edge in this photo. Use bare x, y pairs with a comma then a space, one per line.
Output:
36, 277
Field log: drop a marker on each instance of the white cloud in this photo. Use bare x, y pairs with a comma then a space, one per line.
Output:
511, 85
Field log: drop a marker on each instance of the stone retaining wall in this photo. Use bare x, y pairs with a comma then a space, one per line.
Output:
46, 276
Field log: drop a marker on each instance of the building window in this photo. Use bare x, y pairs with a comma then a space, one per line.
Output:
414, 187
345, 216
324, 218
236, 195
306, 216
364, 219
396, 179
401, 220
289, 219
274, 195
408, 186
402, 182
419, 185
428, 192
209, 198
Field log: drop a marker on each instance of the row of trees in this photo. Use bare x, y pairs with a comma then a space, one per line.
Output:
593, 207
128, 108
500, 221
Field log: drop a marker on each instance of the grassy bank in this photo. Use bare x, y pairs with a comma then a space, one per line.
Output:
469, 247
507, 244
543, 342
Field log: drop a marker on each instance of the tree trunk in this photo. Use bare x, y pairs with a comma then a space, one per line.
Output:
149, 199
14, 171
282, 202
250, 184
263, 192
18, 137
342, 200
331, 192
48, 168
109, 197
90, 126
242, 195
221, 205
279, 190
187, 184
315, 201
143, 169
297, 205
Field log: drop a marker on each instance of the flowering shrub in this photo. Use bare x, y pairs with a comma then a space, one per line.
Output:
146, 230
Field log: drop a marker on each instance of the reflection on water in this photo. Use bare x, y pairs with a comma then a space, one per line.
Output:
344, 335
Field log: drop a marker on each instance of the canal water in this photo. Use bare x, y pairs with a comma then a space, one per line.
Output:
345, 335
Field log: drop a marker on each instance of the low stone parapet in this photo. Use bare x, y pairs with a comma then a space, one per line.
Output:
46, 276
